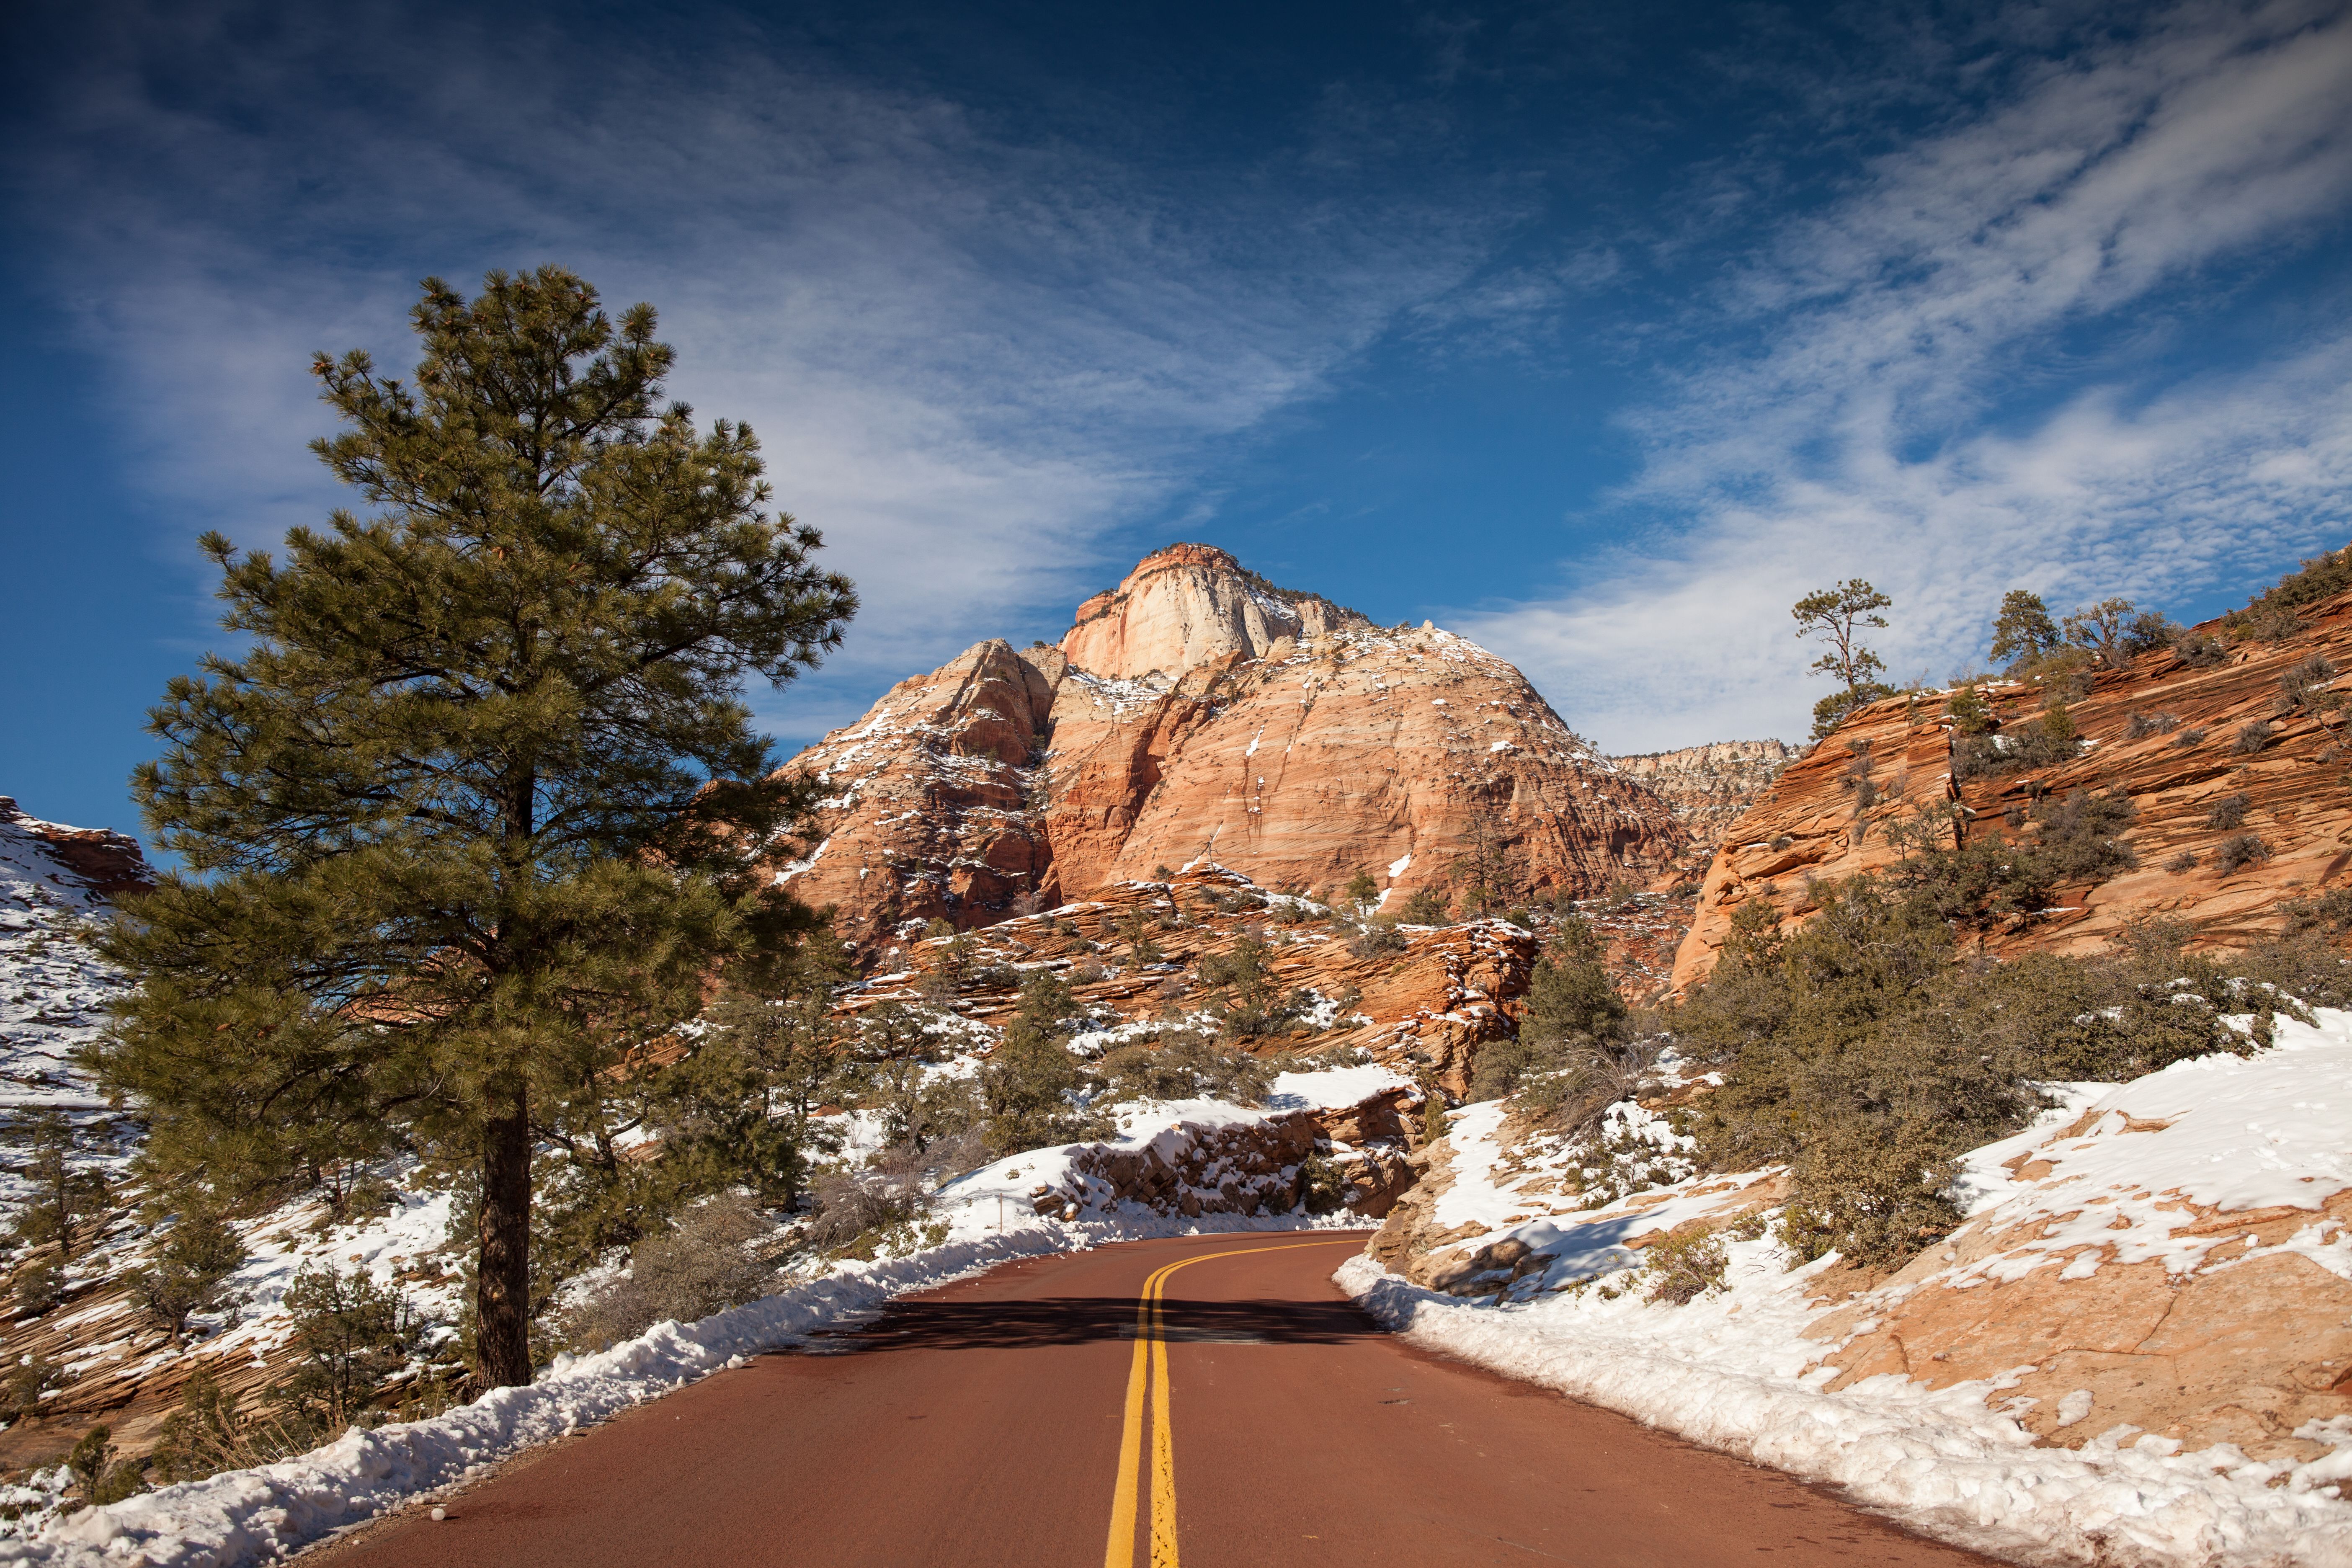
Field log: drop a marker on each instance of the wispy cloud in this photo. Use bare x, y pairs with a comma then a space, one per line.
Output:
1968, 373
966, 355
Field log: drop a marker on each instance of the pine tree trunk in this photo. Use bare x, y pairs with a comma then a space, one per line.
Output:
502, 1281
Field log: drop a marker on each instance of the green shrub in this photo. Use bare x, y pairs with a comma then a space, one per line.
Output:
2320, 577
198, 1254
1681, 1268
1426, 907
2331, 911
1970, 713
351, 1335
1245, 995
1863, 1055
1185, 1065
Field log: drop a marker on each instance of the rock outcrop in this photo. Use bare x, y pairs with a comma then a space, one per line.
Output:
2235, 768
1710, 786
1192, 605
96, 861
1009, 778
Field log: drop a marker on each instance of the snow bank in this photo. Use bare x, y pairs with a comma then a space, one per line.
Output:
2117, 1174
243, 1515
1730, 1372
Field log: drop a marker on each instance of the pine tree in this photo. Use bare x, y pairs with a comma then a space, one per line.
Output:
477, 811
2024, 630
1837, 616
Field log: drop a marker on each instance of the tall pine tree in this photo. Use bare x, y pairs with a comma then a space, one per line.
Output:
477, 810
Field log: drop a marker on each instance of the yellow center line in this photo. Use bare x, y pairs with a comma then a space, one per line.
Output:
1148, 1372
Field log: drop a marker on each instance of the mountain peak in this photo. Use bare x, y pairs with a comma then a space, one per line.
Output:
1190, 605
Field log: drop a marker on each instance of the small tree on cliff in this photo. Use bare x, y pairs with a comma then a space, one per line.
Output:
2024, 630
1837, 614
452, 835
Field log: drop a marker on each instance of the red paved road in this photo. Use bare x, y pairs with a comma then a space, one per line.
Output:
982, 1424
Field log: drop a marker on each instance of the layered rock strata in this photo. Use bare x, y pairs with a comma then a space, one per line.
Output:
1710, 786
2240, 792
1011, 778
1190, 605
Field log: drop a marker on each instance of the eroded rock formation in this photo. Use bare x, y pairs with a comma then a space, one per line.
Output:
2208, 755
1711, 786
1299, 750
1190, 605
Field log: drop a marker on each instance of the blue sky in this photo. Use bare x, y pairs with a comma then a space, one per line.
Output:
1599, 336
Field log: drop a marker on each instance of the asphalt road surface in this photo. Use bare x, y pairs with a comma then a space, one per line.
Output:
1210, 1401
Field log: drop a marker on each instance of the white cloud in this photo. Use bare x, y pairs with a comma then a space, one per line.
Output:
1875, 435
966, 356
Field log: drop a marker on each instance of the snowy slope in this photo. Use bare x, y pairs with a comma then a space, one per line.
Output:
2118, 1175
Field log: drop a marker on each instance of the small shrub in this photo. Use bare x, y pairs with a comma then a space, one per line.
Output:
1970, 713
2141, 724
2239, 851
1322, 1189
2199, 650
1185, 1067
2304, 685
95, 1469
352, 1334
2330, 912
2188, 738
2180, 864
2267, 622
2079, 835
1376, 938
39, 1288
698, 1266
1089, 970
1681, 1268
197, 1256
2228, 812
30, 1382
2252, 737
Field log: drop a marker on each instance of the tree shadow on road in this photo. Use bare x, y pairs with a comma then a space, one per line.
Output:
1024, 1325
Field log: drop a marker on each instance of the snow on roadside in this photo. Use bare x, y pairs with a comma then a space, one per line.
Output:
1730, 1373
1736, 1371
244, 1515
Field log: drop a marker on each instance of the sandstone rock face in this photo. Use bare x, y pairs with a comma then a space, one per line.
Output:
2121, 1281
934, 801
2187, 760
1190, 605
1408, 754
1710, 786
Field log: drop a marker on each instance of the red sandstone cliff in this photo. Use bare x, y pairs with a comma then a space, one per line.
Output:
2181, 761
1298, 744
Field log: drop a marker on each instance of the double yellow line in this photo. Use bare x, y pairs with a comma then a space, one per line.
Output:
1148, 1376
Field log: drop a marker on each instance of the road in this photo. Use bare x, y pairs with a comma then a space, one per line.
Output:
1212, 1401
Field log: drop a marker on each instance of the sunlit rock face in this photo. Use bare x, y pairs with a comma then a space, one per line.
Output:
2233, 764
1190, 605
1193, 713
